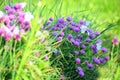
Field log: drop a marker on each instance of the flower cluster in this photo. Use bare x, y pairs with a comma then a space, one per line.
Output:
81, 36
14, 21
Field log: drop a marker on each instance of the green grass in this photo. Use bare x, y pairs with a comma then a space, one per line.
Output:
102, 13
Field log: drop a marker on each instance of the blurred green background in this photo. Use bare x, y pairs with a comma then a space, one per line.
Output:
100, 12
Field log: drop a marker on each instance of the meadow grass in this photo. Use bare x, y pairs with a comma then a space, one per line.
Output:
101, 13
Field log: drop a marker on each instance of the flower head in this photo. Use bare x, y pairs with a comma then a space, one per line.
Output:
115, 41
77, 60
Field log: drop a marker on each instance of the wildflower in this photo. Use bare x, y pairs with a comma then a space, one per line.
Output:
69, 18
51, 19
106, 58
72, 23
83, 28
90, 66
62, 77
46, 58
28, 16
61, 20
19, 6
76, 29
54, 33
59, 38
69, 36
6, 7
76, 43
81, 73
83, 46
17, 37
104, 50
98, 45
102, 60
37, 53
88, 39
76, 53
86, 62
79, 68
96, 60
97, 33
82, 22
87, 23
8, 36
82, 52
115, 41
71, 28
77, 60
61, 34
92, 46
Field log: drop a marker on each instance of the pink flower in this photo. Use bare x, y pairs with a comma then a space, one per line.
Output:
46, 58
2, 32
8, 36
115, 41
17, 37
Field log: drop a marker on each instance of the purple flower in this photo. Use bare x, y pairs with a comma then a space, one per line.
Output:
96, 60
92, 46
99, 41
7, 7
26, 23
61, 34
97, 33
82, 22
76, 29
17, 37
104, 50
83, 46
71, 28
81, 73
54, 28
76, 53
77, 60
86, 62
106, 58
76, 43
102, 60
72, 41
79, 68
51, 19
61, 20
92, 36
69, 36
8, 36
88, 39
47, 23
59, 38
54, 33
82, 52
77, 25
72, 23
18, 6
79, 36
95, 51
90, 66
11, 11
69, 18
11, 17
